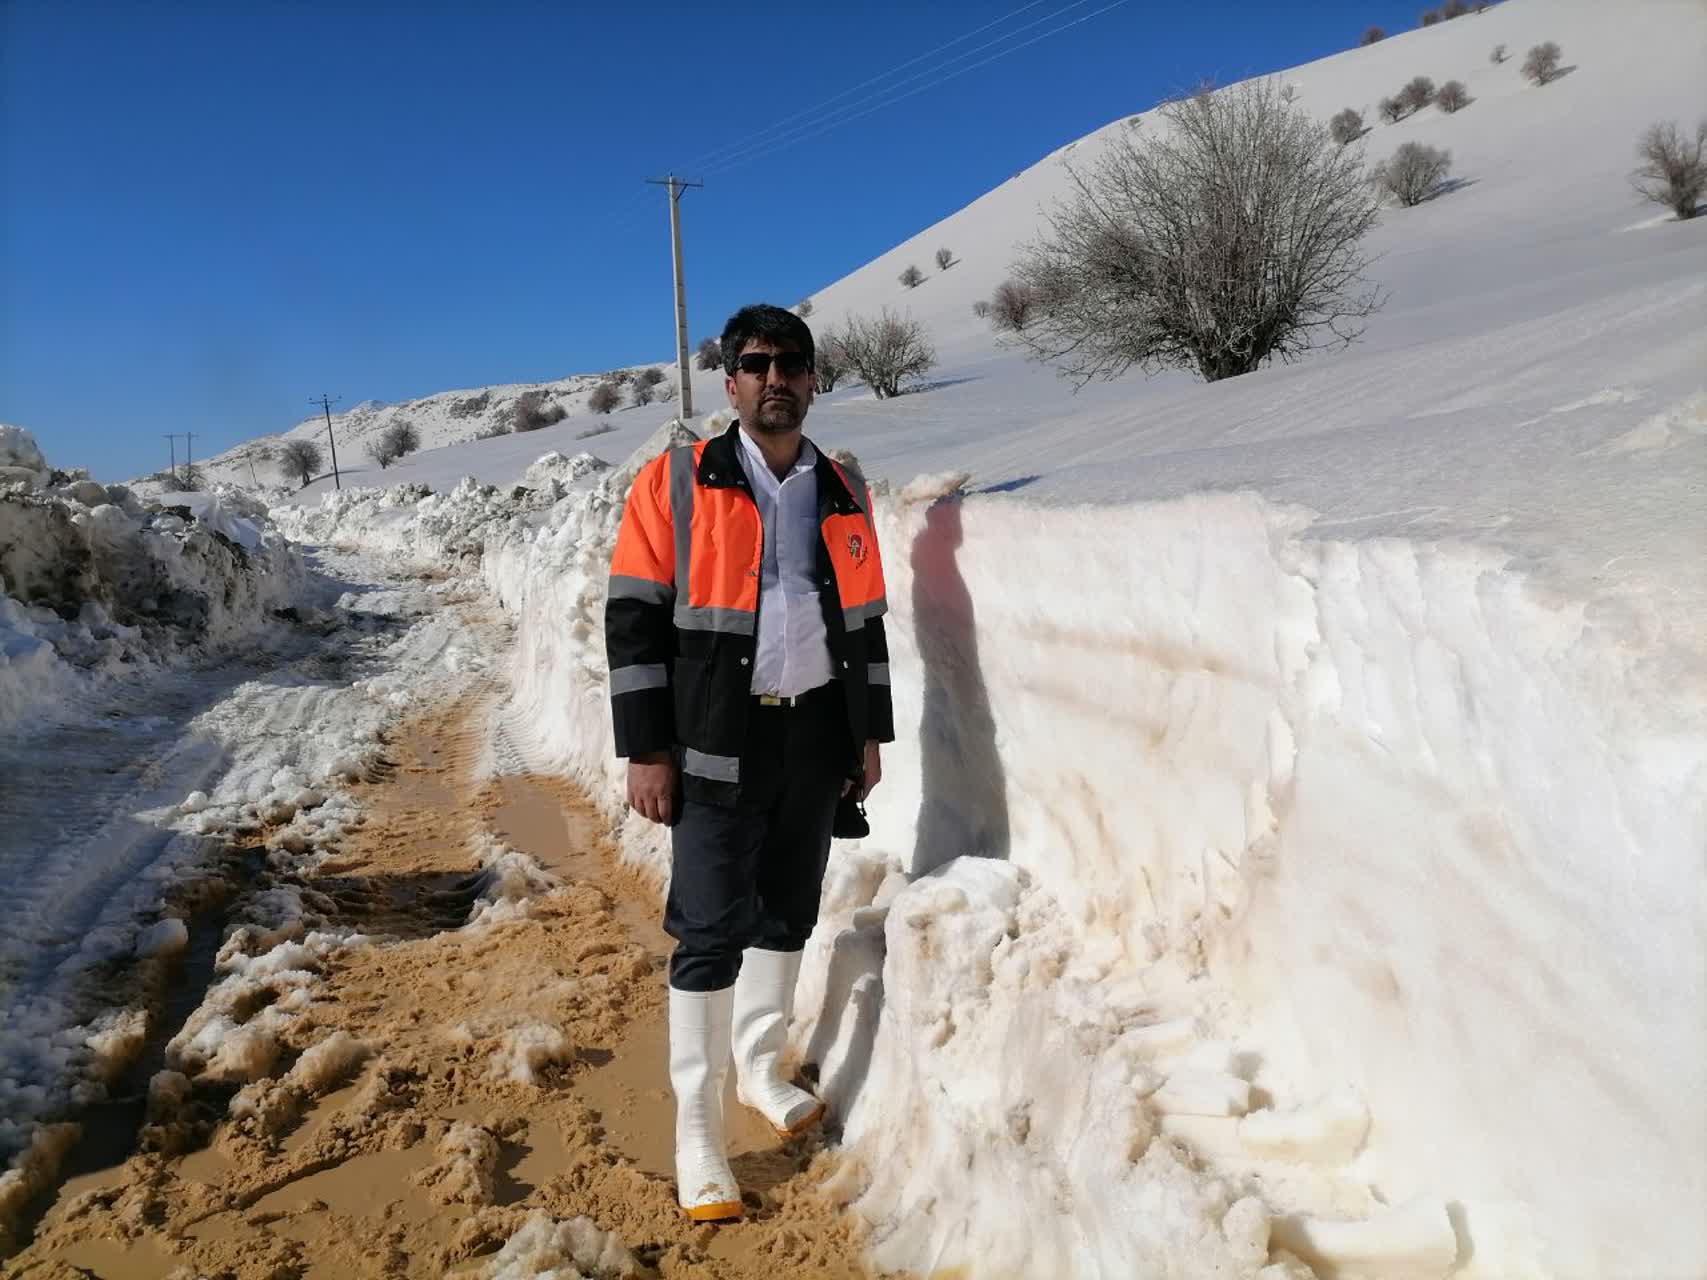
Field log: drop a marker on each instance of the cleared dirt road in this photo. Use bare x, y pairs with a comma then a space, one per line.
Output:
504, 1070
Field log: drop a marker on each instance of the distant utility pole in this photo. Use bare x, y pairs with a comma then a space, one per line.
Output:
172, 445
677, 186
189, 465
327, 404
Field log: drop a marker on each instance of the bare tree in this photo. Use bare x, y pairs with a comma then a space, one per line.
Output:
709, 355
1454, 9
652, 375
1673, 171
642, 394
944, 259
1452, 97
886, 351
829, 363
1497, 54
1011, 305
1391, 110
1347, 126
1541, 63
912, 277
981, 308
1429, 18
1372, 35
1413, 173
403, 437
300, 459
382, 449
667, 393
1228, 241
530, 412
604, 398
803, 308
1417, 94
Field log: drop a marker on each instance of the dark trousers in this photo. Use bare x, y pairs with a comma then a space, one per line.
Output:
750, 876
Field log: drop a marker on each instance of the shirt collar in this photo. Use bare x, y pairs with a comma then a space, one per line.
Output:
753, 457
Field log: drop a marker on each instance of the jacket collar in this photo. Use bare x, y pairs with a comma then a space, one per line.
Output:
720, 468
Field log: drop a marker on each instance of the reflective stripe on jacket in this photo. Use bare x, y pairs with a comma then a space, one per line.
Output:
681, 613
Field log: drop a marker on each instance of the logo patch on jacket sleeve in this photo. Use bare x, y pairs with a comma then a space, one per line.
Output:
856, 547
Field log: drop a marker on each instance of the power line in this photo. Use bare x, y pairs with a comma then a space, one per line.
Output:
717, 153
811, 130
630, 208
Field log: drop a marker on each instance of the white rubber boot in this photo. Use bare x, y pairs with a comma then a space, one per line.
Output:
764, 996
699, 1064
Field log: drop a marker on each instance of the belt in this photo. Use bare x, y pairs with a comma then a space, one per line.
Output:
796, 700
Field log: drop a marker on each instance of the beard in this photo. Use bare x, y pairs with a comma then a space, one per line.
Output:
778, 414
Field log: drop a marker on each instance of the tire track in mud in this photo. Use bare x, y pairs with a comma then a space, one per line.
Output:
511, 1068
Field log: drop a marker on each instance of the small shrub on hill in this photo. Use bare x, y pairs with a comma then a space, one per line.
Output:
1391, 110
1347, 126
1541, 63
887, 351
1673, 171
1497, 54
604, 398
1011, 306
1414, 172
1452, 97
803, 308
981, 308
709, 354
1429, 18
1417, 94
912, 277
650, 376
944, 259
829, 364
1372, 35
530, 412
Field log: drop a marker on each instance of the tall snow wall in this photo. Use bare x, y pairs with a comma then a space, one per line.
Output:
1389, 827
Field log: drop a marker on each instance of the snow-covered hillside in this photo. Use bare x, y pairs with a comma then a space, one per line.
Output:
1295, 837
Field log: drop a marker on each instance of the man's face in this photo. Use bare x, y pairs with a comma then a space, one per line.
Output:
773, 402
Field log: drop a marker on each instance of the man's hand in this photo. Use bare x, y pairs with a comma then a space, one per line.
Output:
873, 771
652, 786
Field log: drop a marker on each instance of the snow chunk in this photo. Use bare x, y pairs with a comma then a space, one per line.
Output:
326, 1064
466, 1168
527, 1050
550, 1250
928, 488
18, 448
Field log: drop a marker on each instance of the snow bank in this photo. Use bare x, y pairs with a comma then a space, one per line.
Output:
97, 584
1339, 811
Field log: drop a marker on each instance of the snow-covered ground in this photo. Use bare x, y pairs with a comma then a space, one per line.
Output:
1295, 838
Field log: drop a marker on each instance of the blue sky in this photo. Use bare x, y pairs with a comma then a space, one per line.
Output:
211, 212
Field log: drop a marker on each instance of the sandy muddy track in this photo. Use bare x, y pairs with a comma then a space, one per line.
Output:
511, 1068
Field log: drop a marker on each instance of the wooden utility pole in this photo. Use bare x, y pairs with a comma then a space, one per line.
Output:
676, 187
326, 403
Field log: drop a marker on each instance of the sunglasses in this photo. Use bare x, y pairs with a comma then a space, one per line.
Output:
791, 364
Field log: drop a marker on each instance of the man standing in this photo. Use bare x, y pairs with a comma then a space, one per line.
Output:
749, 683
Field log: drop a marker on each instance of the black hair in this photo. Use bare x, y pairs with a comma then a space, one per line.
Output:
775, 325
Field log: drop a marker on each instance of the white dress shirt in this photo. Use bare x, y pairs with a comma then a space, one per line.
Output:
793, 651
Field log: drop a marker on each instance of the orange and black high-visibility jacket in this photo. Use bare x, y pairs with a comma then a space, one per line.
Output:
681, 616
